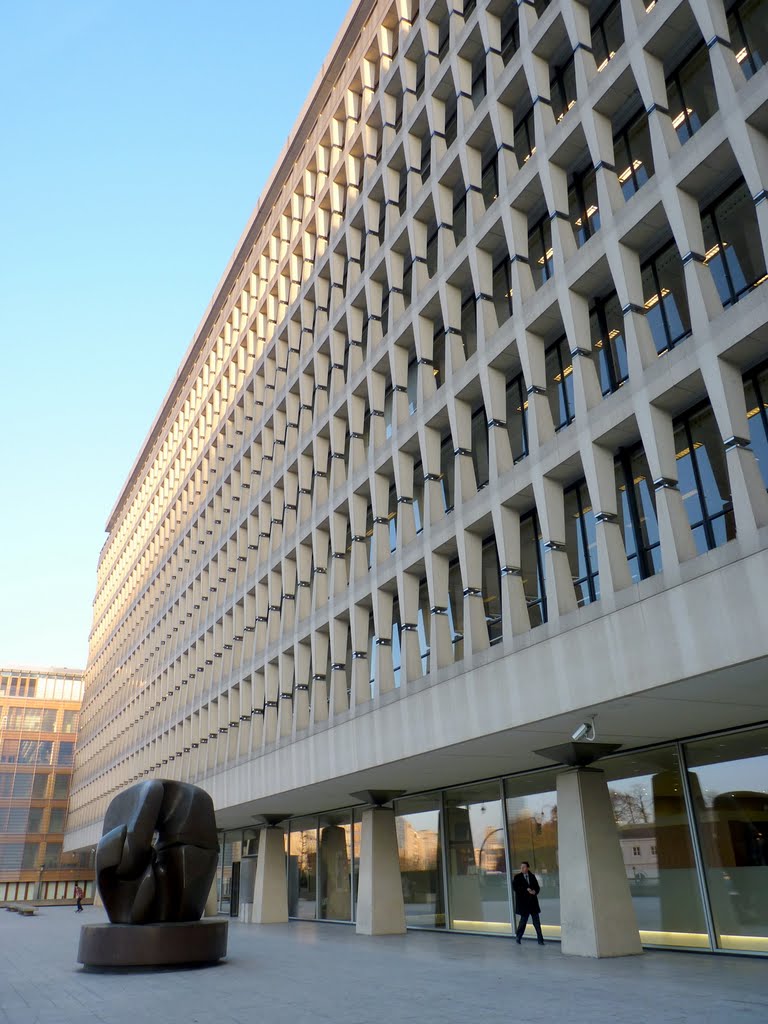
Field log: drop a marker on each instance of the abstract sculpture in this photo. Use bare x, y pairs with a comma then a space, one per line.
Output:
157, 856
155, 864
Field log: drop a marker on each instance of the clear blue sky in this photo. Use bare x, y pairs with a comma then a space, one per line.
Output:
136, 140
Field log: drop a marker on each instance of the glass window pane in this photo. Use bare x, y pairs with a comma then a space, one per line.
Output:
734, 251
531, 807
478, 893
709, 453
417, 821
302, 872
654, 835
757, 414
517, 411
492, 590
335, 879
729, 780
480, 446
531, 569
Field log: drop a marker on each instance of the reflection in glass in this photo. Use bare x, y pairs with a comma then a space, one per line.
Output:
531, 806
478, 885
302, 872
654, 834
417, 821
335, 859
729, 781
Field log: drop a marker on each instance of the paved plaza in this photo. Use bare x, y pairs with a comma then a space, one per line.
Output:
312, 972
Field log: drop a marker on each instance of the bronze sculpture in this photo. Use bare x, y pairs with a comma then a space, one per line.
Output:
155, 864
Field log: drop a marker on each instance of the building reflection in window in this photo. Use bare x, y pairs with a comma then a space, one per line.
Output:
703, 478
334, 900
756, 395
646, 792
478, 879
729, 780
417, 821
531, 807
302, 871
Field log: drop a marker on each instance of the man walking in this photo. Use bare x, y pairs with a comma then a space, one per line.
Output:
79, 898
526, 887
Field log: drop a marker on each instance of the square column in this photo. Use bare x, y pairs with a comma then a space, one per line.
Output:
270, 894
596, 912
380, 907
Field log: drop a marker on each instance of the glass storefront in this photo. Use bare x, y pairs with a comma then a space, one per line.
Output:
649, 808
700, 884
419, 832
729, 786
478, 889
531, 804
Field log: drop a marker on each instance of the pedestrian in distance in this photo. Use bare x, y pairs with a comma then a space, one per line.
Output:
526, 888
79, 893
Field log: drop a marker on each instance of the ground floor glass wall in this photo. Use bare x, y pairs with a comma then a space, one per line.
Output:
692, 824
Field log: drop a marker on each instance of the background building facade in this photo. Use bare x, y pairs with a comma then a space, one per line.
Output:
39, 712
472, 443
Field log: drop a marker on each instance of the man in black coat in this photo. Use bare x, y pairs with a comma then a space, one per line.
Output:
526, 887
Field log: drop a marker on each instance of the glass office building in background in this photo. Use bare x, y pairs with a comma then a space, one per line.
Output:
39, 713
472, 445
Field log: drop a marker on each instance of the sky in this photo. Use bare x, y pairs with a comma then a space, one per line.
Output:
137, 139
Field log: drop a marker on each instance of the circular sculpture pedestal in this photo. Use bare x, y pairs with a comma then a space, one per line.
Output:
152, 945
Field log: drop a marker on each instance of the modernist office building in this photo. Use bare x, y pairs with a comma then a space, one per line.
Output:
471, 446
39, 710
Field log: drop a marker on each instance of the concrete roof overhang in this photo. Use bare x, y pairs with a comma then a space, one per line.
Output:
723, 699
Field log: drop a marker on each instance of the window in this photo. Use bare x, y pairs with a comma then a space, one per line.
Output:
636, 851
447, 471
703, 477
563, 88
52, 855
756, 395
666, 300
423, 624
479, 82
480, 455
459, 213
606, 323
748, 28
582, 206
532, 568
66, 753
69, 722
540, 251
502, 290
61, 786
510, 33
524, 138
581, 543
734, 252
489, 182
607, 35
456, 609
517, 417
637, 513
58, 817
492, 589
559, 370
633, 154
691, 93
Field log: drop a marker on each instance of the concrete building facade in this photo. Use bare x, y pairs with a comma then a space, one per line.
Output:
471, 447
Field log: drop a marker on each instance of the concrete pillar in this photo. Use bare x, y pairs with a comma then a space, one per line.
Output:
270, 896
596, 912
380, 907
212, 902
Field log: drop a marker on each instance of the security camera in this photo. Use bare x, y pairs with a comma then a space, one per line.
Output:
586, 731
